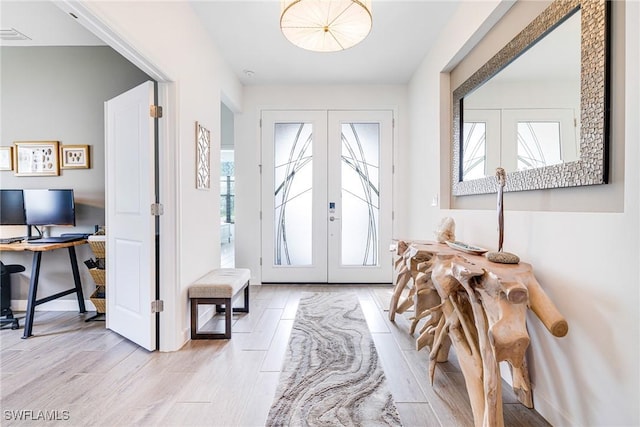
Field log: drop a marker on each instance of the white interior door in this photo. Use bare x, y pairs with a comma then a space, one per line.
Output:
130, 191
326, 196
360, 196
294, 193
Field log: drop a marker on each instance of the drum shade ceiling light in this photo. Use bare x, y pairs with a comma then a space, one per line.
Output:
325, 25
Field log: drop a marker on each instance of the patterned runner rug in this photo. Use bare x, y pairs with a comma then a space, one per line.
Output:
331, 375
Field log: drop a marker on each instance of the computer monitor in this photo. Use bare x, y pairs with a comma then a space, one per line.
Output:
49, 207
12, 207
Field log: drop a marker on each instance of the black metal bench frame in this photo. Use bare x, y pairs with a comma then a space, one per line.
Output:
219, 303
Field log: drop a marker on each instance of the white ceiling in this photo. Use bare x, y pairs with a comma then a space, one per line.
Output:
249, 38
44, 23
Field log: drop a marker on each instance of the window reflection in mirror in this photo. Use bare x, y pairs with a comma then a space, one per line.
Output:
528, 114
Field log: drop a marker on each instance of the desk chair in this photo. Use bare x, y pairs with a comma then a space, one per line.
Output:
6, 314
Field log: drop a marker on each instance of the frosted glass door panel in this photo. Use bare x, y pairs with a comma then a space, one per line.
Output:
293, 192
538, 144
474, 149
360, 168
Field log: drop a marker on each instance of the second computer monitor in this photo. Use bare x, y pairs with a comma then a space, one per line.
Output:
49, 207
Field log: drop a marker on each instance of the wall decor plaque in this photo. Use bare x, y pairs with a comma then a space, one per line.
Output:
203, 163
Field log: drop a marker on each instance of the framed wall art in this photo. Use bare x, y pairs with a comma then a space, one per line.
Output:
36, 158
203, 165
74, 157
6, 158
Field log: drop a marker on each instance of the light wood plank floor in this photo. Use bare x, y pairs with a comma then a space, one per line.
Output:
83, 375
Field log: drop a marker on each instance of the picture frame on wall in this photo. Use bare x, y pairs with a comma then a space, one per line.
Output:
36, 158
74, 157
203, 163
6, 158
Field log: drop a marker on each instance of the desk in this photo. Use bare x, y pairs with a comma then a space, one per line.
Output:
37, 250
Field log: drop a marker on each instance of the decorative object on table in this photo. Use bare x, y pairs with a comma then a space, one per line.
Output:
6, 158
36, 158
74, 157
446, 230
203, 164
503, 257
465, 247
500, 256
332, 374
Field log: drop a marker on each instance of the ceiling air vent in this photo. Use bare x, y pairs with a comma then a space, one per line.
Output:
12, 34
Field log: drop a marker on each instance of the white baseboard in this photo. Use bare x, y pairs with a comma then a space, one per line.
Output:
549, 411
186, 336
55, 305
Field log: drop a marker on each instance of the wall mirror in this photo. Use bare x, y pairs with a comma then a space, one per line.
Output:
539, 107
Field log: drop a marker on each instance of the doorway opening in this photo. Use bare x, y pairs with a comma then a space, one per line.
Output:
227, 189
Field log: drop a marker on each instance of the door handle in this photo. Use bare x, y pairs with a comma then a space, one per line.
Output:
333, 218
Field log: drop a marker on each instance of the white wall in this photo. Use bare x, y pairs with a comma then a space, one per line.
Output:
586, 261
247, 145
58, 94
199, 79
226, 128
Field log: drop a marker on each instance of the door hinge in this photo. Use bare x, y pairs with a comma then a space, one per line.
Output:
157, 209
260, 215
157, 306
393, 169
260, 124
393, 215
260, 260
260, 169
393, 123
155, 111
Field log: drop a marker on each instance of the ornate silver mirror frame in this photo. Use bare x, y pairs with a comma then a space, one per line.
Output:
592, 166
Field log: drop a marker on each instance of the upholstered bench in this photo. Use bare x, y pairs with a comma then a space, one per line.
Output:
218, 287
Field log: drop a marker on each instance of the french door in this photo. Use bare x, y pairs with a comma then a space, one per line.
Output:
326, 196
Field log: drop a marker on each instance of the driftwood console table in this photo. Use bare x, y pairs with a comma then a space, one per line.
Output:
479, 307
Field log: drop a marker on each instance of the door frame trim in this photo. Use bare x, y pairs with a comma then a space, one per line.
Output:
171, 338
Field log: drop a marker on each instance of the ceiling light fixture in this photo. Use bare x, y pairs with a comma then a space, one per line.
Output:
325, 25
